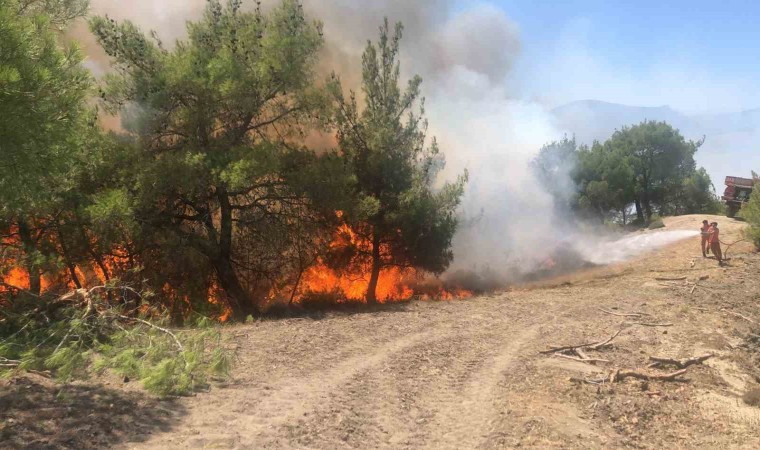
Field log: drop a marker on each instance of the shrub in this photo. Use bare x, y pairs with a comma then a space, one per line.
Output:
655, 222
72, 342
752, 397
751, 213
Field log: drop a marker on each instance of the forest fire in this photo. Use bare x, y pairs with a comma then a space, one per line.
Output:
391, 286
350, 284
19, 278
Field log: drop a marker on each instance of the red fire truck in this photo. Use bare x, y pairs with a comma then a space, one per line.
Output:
737, 193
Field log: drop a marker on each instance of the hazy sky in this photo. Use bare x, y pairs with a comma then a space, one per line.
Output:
692, 55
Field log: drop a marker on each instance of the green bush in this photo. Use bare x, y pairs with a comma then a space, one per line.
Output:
751, 213
75, 345
655, 222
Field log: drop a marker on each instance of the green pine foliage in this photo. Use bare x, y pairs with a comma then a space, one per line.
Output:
71, 347
393, 167
45, 124
217, 123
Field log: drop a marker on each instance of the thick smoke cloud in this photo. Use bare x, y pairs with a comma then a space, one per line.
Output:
465, 58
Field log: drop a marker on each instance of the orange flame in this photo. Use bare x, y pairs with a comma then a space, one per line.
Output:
394, 284
216, 297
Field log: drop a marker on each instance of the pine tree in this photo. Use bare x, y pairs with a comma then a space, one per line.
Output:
395, 209
215, 118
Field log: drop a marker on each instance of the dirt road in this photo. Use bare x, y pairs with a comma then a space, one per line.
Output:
467, 374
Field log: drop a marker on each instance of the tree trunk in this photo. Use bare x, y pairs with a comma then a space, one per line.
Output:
645, 200
95, 255
240, 300
375, 275
30, 247
647, 207
67, 258
295, 286
639, 211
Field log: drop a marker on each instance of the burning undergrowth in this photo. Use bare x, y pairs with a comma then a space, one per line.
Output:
342, 276
328, 284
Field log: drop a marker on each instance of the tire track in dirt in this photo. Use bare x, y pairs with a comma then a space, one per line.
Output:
376, 408
427, 379
251, 416
437, 393
466, 423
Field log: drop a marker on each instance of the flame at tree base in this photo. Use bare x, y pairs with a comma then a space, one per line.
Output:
321, 280
322, 284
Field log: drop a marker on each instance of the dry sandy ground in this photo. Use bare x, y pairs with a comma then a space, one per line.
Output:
468, 374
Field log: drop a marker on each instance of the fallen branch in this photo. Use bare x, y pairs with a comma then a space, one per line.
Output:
581, 353
670, 278
636, 314
164, 330
591, 345
586, 380
620, 375
18, 289
586, 360
680, 363
741, 315
603, 343
648, 324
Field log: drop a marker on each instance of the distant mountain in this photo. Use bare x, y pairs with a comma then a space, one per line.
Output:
732, 145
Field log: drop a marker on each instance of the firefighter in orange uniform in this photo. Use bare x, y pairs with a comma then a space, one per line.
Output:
705, 237
714, 239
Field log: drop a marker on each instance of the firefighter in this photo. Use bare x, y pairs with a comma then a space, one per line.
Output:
705, 230
714, 239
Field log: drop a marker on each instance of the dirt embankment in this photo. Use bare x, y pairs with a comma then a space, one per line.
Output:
468, 374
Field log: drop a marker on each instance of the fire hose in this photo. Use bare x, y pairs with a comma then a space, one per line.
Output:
725, 253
